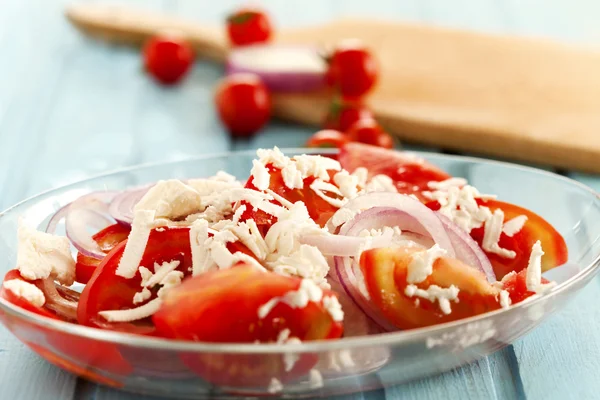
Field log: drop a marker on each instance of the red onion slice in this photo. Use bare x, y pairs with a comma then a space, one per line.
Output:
426, 218
63, 307
467, 249
121, 208
283, 68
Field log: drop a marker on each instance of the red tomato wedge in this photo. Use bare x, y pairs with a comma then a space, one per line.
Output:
385, 273
516, 286
535, 228
108, 238
410, 174
20, 301
222, 306
318, 209
108, 291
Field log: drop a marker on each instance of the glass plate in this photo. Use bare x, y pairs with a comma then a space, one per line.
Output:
196, 370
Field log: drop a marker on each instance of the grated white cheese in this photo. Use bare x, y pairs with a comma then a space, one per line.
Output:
238, 214
342, 216
320, 187
505, 299
136, 243
421, 264
172, 279
170, 199
198, 238
514, 226
435, 293
248, 233
308, 291
142, 296
283, 201
292, 177
446, 184
275, 386
161, 271
533, 277
348, 184
260, 175
133, 314
41, 255
361, 174
491, 236
334, 308
315, 379
381, 183
25, 290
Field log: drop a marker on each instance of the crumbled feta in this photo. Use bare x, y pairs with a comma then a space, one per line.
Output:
207, 187
25, 290
133, 314
533, 278
381, 183
41, 255
460, 206
421, 264
361, 174
433, 293
342, 216
170, 199
275, 386
514, 226
136, 243
308, 291
504, 299
316, 166
320, 187
292, 177
260, 175
491, 235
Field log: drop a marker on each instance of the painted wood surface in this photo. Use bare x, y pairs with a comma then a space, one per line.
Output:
71, 108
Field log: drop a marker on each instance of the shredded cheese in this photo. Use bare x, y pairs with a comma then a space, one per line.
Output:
533, 277
514, 226
308, 291
133, 314
25, 290
491, 236
260, 175
435, 293
136, 243
421, 264
504, 299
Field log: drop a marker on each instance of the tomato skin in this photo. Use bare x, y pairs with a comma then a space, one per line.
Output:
327, 138
243, 104
107, 239
19, 301
212, 308
535, 228
516, 286
385, 272
352, 69
368, 131
343, 113
247, 26
108, 291
410, 174
167, 58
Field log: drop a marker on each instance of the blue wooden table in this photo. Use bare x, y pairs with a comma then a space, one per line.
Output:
70, 108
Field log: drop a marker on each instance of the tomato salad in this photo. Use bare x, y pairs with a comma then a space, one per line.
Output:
398, 241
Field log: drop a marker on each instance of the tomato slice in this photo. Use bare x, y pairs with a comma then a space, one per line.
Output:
410, 174
20, 301
535, 228
385, 273
222, 306
108, 291
318, 209
108, 238
516, 286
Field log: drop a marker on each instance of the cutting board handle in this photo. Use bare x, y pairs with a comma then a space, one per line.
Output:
133, 27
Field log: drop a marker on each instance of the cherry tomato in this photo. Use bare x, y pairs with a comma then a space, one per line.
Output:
108, 291
212, 308
368, 131
343, 114
516, 286
107, 239
243, 103
410, 174
327, 138
248, 27
20, 301
535, 228
318, 209
167, 58
352, 69
385, 272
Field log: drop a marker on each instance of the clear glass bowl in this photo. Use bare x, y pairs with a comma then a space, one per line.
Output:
196, 370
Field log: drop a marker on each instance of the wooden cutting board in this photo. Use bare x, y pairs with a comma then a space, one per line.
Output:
523, 99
